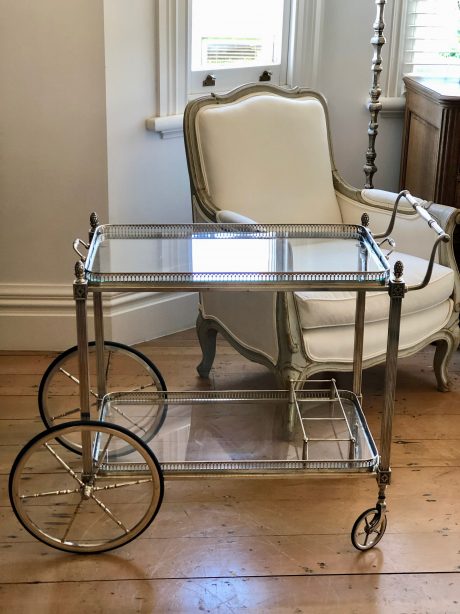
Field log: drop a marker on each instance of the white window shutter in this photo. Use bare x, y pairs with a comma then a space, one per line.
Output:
432, 32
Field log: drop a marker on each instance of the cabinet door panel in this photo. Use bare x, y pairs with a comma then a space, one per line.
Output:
422, 158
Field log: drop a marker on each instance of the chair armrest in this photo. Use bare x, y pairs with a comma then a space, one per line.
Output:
411, 232
225, 216
447, 217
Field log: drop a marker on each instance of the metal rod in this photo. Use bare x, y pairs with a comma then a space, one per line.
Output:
359, 343
396, 291
374, 106
80, 289
99, 336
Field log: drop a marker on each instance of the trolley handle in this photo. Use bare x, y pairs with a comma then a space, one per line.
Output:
422, 211
432, 223
76, 245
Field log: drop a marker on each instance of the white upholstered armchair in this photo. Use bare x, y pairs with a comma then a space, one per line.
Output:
262, 153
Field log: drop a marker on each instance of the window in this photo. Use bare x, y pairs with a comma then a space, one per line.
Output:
280, 36
432, 38
235, 41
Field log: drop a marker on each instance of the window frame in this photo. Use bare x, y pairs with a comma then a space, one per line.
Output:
393, 101
228, 78
172, 65
415, 67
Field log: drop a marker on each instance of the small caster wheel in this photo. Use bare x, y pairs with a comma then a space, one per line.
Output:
368, 529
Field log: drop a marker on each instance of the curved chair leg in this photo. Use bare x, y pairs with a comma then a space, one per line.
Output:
443, 353
288, 376
207, 334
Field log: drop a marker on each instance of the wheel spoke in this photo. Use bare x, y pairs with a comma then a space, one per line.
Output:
65, 414
71, 521
75, 380
69, 376
50, 493
102, 454
69, 412
368, 529
64, 464
64, 369
372, 530
366, 538
109, 513
127, 418
89, 512
107, 368
132, 483
139, 388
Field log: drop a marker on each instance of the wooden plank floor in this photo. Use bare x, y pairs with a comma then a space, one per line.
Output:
258, 545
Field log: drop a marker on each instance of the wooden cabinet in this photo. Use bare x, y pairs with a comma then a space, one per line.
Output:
430, 163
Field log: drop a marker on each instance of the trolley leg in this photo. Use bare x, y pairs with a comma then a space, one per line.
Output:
99, 336
396, 291
358, 344
370, 526
80, 292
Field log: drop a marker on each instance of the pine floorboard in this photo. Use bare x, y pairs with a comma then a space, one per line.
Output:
257, 545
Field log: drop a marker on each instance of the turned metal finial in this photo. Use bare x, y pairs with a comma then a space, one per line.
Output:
398, 269
374, 106
79, 270
365, 219
94, 220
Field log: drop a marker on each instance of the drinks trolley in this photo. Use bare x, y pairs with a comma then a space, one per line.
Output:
94, 479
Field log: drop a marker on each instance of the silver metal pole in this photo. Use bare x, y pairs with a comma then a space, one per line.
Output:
374, 106
99, 336
359, 343
396, 290
80, 293
98, 323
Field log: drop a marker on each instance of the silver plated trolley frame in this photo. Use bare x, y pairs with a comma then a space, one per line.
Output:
357, 450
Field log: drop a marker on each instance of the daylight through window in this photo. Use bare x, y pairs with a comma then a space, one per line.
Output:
432, 44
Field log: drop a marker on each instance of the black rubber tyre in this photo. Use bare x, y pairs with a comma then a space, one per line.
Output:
86, 504
58, 394
368, 529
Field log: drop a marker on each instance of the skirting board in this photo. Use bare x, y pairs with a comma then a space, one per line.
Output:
36, 318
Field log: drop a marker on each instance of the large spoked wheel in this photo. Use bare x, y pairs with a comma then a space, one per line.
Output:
368, 529
126, 369
95, 508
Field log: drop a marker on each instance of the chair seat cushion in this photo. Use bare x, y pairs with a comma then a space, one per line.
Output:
335, 344
326, 309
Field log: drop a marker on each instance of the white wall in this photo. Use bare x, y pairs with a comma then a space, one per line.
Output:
78, 83
148, 179
147, 176
53, 160
345, 78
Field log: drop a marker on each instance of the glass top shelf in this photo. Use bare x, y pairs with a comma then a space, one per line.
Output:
205, 256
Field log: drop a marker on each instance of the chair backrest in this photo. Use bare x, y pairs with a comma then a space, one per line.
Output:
263, 152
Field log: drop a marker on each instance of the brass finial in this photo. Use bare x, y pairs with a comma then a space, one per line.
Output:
94, 220
398, 269
79, 270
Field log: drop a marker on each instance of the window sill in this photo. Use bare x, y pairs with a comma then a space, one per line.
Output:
169, 127
393, 107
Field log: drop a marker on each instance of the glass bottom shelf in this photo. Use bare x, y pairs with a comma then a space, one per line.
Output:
247, 432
